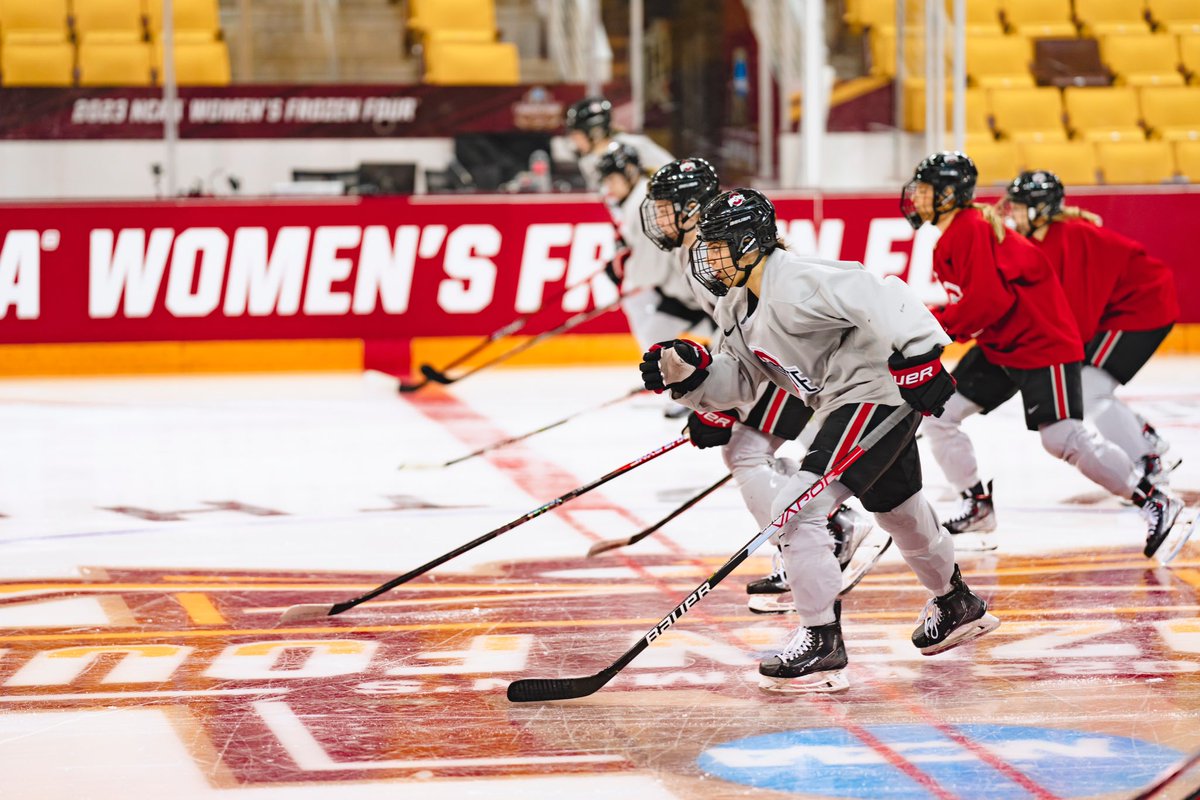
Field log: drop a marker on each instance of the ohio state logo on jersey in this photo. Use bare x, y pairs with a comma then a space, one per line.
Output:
793, 374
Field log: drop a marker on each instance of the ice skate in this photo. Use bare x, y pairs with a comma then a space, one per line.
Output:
1161, 510
973, 525
775, 583
1154, 468
813, 661
954, 618
1157, 443
1174, 541
849, 529
862, 561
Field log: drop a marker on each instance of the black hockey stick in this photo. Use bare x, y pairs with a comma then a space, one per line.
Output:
574, 321
1171, 775
439, 376
535, 689
523, 436
613, 544
313, 610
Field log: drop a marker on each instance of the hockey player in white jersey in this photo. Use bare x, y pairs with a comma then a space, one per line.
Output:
828, 332
590, 130
748, 436
655, 295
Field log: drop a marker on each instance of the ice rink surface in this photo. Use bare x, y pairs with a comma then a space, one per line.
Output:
152, 530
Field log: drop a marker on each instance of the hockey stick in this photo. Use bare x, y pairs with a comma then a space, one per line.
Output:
523, 436
313, 610
573, 321
613, 544
535, 689
439, 376
1172, 774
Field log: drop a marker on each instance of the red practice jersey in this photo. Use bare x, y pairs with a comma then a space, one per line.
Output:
1111, 282
1004, 295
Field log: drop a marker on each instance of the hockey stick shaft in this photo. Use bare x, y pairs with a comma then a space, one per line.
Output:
543, 429
1170, 777
613, 544
574, 321
534, 689
507, 330
338, 608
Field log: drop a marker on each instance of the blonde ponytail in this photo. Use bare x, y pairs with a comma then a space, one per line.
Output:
992, 218
1074, 212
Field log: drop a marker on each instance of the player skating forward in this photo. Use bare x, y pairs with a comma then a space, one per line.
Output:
654, 294
1123, 300
748, 436
827, 332
590, 130
1003, 294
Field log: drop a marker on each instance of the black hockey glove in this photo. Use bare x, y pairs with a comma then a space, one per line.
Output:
923, 382
615, 268
710, 428
677, 364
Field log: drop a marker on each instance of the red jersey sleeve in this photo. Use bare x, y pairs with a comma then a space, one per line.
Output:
965, 262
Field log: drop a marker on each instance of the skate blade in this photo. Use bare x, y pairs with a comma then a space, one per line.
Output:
771, 603
964, 634
1176, 539
864, 560
974, 541
817, 683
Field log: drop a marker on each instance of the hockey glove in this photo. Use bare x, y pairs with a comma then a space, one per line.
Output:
677, 364
615, 268
710, 428
923, 382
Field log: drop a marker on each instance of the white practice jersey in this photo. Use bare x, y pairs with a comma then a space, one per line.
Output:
647, 265
822, 330
650, 154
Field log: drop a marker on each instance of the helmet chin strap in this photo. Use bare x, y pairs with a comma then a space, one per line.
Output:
745, 271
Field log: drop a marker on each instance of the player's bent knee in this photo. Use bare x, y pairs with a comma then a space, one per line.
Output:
1066, 439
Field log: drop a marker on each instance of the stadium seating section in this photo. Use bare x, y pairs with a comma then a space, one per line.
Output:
108, 43
1099, 90
459, 44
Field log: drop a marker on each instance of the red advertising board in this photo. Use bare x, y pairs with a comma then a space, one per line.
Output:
397, 268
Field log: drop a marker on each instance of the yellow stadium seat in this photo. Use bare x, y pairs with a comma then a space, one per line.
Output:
197, 63
1102, 17
882, 40
1189, 56
997, 162
864, 14
38, 64
983, 17
1107, 113
979, 126
114, 64
1073, 162
999, 61
472, 64
1143, 59
455, 20
1172, 112
193, 20
1039, 18
108, 20
1175, 16
1187, 160
1136, 162
1028, 115
33, 21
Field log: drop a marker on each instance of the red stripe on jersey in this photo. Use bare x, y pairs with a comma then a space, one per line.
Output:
853, 431
1060, 394
773, 411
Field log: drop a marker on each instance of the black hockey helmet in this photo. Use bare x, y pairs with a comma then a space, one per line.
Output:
619, 159
592, 116
687, 184
1041, 193
744, 221
951, 174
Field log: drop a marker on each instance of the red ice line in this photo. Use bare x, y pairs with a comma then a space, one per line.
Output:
442, 407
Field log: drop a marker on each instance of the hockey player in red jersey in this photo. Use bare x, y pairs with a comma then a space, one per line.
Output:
828, 333
1004, 294
1122, 298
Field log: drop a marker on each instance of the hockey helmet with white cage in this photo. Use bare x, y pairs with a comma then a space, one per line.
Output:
1041, 192
733, 225
674, 198
952, 175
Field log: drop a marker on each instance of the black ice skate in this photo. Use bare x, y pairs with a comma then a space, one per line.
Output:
1156, 469
977, 514
1157, 443
1161, 510
955, 618
775, 583
848, 530
812, 661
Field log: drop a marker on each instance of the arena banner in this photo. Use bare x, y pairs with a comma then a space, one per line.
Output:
398, 268
284, 111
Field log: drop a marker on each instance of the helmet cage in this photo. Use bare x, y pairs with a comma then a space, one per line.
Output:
714, 260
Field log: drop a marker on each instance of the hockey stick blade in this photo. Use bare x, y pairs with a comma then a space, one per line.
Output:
305, 611
405, 388
437, 377
612, 544
605, 546
534, 690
